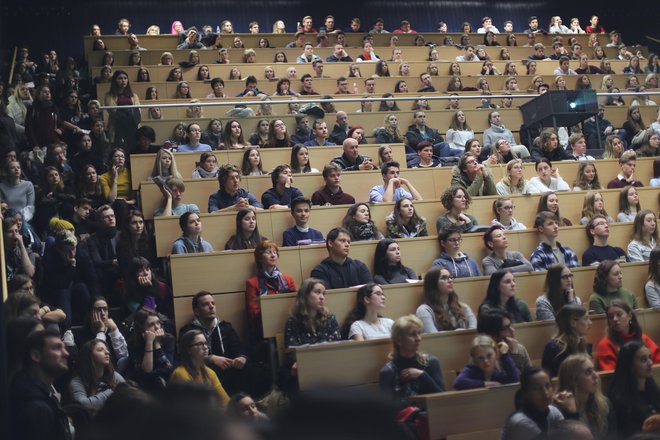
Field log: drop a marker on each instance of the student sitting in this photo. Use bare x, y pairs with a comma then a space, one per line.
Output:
459, 264
301, 233
550, 251
573, 326
387, 264
483, 372
282, 193
627, 163
190, 241
365, 321
338, 271
598, 231
172, 191
392, 188
499, 258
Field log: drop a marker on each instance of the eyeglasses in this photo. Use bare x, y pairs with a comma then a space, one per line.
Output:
455, 240
508, 207
567, 277
471, 162
446, 278
200, 344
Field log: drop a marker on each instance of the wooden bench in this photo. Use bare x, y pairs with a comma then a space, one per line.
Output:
382, 41
142, 164
267, 55
431, 183
335, 70
218, 227
328, 86
418, 254
403, 299
452, 414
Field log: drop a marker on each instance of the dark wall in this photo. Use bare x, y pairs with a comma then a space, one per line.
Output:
60, 25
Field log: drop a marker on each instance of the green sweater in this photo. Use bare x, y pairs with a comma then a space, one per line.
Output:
598, 303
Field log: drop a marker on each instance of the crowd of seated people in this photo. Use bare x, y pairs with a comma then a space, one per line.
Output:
90, 311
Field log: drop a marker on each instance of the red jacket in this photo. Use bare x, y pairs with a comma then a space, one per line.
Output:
608, 351
252, 293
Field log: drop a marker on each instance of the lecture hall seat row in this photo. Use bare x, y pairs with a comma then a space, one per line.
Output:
335, 70
168, 42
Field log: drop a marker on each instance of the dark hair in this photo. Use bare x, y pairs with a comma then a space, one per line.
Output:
224, 171
543, 206
590, 226
360, 310
37, 341
196, 298
447, 197
493, 296
145, 131
351, 225
384, 168
333, 234
183, 220
114, 88
552, 290
567, 338
87, 369
635, 329
601, 275
226, 135
381, 264
275, 174
490, 322
488, 235
295, 166
432, 299
624, 390
239, 239
300, 201
654, 263
246, 168
525, 383
185, 342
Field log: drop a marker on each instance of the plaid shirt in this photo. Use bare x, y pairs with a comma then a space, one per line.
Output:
543, 257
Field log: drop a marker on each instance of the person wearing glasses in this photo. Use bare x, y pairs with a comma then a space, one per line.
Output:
193, 350
227, 356
459, 264
441, 309
558, 291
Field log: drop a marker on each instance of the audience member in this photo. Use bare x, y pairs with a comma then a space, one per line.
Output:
331, 193
500, 258
339, 271
550, 251
388, 268
573, 326
557, 292
598, 232
441, 309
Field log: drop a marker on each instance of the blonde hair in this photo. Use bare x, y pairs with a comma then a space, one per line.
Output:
482, 341
400, 326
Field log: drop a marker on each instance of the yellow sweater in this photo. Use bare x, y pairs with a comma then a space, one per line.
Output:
123, 184
181, 375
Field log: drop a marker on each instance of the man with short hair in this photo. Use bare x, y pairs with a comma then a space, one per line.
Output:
579, 147
627, 163
230, 197
317, 65
320, 138
427, 83
253, 27
338, 271
596, 140
329, 25
508, 26
404, 28
302, 133
419, 131
559, 51
299, 41
223, 56
397, 55
356, 25
531, 39
308, 55
172, 203
36, 412
487, 25
342, 86
250, 87
331, 193
339, 54
102, 246
598, 231
576, 51
227, 355
282, 193
534, 28
539, 53
82, 210
370, 85
564, 67
454, 102
392, 188
322, 40
615, 39
351, 160
301, 234
379, 27
550, 251
307, 85
468, 55
340, 130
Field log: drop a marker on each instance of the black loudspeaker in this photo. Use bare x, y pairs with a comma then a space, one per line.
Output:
560, 108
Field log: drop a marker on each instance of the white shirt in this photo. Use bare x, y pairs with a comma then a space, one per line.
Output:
382, 329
